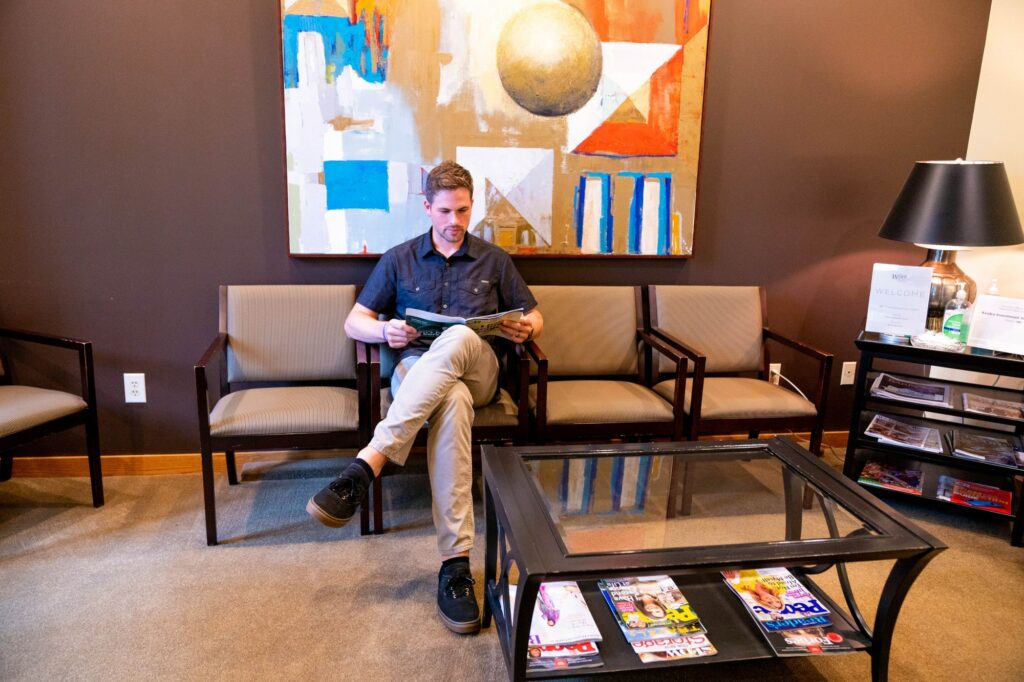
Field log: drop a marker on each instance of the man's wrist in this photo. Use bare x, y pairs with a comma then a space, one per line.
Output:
384, 331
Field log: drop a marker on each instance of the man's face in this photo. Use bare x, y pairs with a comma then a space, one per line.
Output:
449, 216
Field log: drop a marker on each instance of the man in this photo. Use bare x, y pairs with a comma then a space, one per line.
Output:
450, 272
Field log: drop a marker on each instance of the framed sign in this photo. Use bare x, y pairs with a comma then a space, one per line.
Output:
579, 120
898, 302
997, 323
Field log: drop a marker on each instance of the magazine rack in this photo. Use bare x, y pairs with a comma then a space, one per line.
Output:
536, 532
901, 360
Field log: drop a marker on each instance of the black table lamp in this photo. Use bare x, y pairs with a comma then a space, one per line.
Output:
950, 205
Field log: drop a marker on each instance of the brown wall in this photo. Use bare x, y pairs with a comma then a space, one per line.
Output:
142, 167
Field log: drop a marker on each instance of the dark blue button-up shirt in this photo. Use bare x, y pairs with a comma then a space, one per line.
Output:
478, 279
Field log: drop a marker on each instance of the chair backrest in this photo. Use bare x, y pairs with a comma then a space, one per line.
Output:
723, 323
288, 332
588, 330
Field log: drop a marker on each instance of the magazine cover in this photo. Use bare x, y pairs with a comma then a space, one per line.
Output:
692, 646
431, 325
895, 432
891, 477
563, 656
824, 639
971, 494
992, 449
888, 386
647, 601
560, 615
997, 408
777, 599
671, 632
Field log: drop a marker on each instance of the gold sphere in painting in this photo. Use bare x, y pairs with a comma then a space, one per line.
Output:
549, 59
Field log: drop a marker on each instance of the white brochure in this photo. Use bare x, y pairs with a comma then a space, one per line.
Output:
898, 304
997, 324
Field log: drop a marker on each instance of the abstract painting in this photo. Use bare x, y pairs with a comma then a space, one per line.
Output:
580, 121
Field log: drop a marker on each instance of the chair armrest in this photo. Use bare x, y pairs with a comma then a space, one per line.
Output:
660, 345
84, 349
698, 359
46, 339
534, 353
824, 363
796, 345
202, 386
367, 384
373, 372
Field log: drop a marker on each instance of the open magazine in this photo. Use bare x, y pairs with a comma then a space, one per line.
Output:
431, 325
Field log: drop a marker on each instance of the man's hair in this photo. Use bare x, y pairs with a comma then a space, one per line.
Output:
448, 175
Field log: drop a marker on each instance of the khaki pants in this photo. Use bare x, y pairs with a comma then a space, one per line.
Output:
442, 386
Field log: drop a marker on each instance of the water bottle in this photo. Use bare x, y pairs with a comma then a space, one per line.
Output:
957, 319
993, 288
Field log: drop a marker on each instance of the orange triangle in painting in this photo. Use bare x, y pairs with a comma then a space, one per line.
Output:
322, 8
658, 135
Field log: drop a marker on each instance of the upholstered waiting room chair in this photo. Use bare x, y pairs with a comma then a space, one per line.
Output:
289, 378
590, 384
28, 412
723, 332
506, 420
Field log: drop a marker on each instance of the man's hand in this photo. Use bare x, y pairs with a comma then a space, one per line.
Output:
518, 331
398, 334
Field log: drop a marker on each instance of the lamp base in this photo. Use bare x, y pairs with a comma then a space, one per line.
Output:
947, 277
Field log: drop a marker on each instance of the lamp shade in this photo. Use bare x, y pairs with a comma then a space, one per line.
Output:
955, 203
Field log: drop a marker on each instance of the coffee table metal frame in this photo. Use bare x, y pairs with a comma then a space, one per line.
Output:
519, 530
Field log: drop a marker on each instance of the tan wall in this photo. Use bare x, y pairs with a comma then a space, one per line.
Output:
997, 134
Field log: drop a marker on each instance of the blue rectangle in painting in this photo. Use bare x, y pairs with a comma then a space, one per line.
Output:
636, 210
356, 184
345, 44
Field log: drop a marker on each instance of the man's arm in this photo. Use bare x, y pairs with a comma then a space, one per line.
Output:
362, 325
528, 327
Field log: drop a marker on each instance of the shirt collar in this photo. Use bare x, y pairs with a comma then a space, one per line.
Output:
469, 248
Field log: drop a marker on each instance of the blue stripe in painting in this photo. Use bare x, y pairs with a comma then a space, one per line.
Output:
345, 44
605, 230
665, 210
356, 184
636, 210
577, 207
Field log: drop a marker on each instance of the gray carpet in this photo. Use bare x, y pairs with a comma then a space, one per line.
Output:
131, 591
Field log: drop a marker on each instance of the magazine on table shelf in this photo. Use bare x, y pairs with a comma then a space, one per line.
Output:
894, 478
971, 494
997, 408
891, 431
647, 601
431, 325
777, 599
655, 618
991, 449
790, 617
905, 390
563, 634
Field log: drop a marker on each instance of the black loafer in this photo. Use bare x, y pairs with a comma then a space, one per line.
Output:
456, 603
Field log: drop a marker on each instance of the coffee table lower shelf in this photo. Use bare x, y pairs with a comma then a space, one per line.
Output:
729, 627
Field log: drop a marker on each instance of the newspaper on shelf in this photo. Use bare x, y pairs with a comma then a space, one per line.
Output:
991, 449
906, 390
980, 404
892, 431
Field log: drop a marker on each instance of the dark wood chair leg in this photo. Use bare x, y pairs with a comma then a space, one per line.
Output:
364, 510
92, 442
6, 467
229, 460
208, 497
378, 506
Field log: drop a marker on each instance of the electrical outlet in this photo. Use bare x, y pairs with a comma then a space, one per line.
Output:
849, 372
774, 371
135, 388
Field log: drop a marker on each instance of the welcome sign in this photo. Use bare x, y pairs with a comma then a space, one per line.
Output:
898, 303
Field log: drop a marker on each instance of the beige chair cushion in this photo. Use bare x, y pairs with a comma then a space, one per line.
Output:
501, 412
289, 332
740, 398
588, 330
602, 402
22, 407
290, 409
723, 323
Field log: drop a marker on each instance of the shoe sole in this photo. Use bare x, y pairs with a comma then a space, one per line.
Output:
466, 628
323, 517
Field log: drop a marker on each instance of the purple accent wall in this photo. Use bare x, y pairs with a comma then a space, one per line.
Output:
143, 161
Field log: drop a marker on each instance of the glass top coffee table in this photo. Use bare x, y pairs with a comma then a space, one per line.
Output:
688, 510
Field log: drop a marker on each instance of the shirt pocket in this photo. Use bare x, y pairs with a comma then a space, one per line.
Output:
479, 296
419, 292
